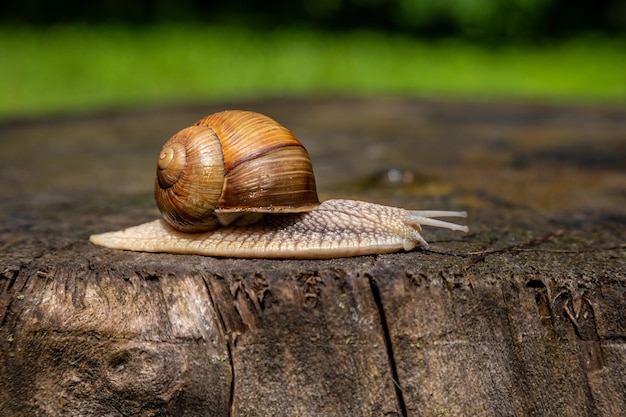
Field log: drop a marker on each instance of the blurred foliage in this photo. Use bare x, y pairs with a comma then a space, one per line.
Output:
85, 67
493, 21
70, 55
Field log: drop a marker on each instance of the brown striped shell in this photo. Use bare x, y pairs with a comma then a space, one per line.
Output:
229, 168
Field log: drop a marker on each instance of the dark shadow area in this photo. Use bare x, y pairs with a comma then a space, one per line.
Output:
484, 20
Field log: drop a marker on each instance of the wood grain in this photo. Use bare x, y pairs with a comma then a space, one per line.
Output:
522, 316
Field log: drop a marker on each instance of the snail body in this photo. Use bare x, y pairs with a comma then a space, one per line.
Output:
238, 184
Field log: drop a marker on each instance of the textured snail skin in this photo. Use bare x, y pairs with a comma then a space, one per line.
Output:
336, 228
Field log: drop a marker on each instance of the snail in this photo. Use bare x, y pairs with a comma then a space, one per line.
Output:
239, 184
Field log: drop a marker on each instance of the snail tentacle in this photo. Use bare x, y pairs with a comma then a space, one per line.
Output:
425, 218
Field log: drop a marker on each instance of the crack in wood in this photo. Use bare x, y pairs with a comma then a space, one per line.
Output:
231, 399
388, 344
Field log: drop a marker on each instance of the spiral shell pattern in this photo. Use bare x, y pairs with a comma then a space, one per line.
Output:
232, 162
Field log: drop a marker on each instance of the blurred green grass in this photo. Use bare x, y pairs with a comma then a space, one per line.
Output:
82, 68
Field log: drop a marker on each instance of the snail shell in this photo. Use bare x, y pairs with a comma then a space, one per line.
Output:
230, 168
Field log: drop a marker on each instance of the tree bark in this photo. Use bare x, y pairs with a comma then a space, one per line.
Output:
522, 316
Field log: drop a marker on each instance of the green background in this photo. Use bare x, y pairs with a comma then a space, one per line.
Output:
56, 59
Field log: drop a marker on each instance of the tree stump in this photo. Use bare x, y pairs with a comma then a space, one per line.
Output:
523, 316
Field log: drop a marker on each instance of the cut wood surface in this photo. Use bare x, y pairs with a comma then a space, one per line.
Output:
522, 316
